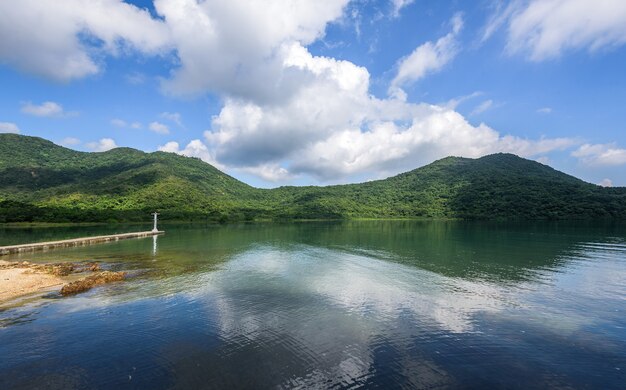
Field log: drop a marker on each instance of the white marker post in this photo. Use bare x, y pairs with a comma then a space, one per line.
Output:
154, 245
154, 230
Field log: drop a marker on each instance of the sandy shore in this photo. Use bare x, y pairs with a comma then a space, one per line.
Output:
15, 282
23, 278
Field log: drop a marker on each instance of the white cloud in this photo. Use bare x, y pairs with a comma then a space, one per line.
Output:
170, 147
499, 17
544, 110
233, 47
135, 78
102, 145
333, 129
158, 128
398, 5
427, 58
63, 41
482, 107
545, 29
452, 104
119, 123
285, 111
124, 124
9, 127
606, 183
600, 154
46, 109
195, 148
70, 141
174, 117
271, 172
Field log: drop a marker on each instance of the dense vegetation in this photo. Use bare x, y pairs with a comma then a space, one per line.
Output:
40, 181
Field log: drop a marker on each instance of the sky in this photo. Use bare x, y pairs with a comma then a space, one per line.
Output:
300, 92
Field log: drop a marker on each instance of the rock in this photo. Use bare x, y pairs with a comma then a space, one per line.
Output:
93, 267
56, 269
92, 281
61, 269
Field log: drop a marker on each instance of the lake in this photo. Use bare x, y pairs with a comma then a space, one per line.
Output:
386, 304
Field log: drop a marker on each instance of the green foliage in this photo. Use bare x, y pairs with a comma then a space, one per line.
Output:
40, 181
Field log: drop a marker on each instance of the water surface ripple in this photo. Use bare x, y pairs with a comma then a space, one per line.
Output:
332, 305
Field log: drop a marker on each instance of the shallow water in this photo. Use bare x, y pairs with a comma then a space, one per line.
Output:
331, 305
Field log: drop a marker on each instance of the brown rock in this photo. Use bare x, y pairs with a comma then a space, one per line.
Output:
92, 281
93, 267
61, 269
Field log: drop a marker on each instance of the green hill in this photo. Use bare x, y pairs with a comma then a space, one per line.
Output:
41, 181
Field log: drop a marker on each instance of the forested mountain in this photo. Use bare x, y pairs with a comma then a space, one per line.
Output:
41, 181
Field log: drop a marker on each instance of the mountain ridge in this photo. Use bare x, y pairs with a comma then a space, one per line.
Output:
42, 181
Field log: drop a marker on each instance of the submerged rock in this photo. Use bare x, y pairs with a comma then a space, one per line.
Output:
93, 266
56, 269
91, 281
61, 269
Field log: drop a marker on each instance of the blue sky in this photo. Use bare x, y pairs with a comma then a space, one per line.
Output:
307, 92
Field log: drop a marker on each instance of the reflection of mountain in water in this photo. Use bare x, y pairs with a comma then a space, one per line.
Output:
501, 251
485, 250
378, 304
495, 251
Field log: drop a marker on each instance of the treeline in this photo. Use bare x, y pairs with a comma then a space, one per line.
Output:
43, 182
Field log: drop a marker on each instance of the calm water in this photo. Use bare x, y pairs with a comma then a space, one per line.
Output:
331, 305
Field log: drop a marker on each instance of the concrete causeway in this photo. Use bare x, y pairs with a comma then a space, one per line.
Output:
43, 246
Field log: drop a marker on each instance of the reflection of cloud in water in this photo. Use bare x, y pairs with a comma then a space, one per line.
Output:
310, 317
363, 286
383, 292
367, 286
291, 298
588, 294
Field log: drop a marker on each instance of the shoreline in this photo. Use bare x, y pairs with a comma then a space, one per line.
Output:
21, 282
24, 279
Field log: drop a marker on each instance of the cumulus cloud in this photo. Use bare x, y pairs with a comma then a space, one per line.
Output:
46, 109
600, 154
331, 128
119, 122
124, 124
195, 148
158, 128
285, 111
9, 127
238, 54
271, 172
170, 147
173, 117
606, 183
428, 58
102, 145
63, 41
544, 29
70, 141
